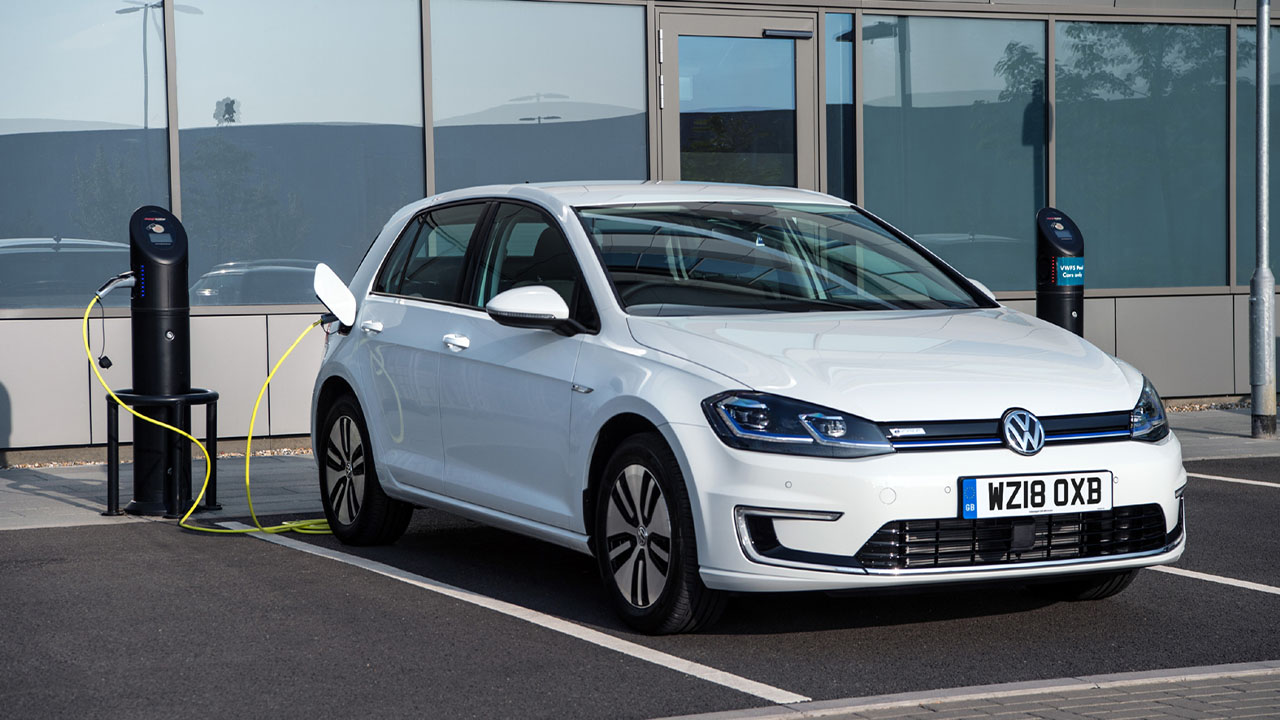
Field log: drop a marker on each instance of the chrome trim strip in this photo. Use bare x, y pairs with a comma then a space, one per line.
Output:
946, 443
1085, 436
742, 512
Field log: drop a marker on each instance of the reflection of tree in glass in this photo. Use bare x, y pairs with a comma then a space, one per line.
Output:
1140, 133
725, 147
237, 213
1022, 68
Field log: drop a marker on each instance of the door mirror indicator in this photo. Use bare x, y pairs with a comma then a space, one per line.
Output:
535, 306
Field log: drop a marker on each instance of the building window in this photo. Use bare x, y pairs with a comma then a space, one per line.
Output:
83, 143
954, 138
1140, 161
528, 92
301, 133
1247, 151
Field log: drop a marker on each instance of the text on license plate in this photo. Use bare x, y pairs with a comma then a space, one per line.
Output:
985, 497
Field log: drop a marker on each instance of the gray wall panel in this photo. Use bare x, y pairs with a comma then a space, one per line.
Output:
43, 384
290, 391
1183, 344
1100, 323
1024, 306
229, 355
119, 376
1176, 4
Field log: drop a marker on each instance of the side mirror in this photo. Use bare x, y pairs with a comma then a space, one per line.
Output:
985, 290
535, 306
331, 291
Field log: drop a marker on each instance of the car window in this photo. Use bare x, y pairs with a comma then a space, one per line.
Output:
709, 258
526, 248
427, 261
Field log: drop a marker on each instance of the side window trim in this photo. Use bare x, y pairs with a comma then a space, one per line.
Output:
415, 226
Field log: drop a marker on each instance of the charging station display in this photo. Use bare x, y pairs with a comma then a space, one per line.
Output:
1059, 270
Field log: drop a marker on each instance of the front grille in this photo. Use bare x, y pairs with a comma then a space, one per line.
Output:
952, 542
976, 434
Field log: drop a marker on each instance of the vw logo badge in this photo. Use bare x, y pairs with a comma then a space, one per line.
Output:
1023, 432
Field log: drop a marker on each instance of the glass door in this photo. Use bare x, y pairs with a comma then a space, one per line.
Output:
737, 98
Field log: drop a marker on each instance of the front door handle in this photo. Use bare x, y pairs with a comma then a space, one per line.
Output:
372, 327
456, 342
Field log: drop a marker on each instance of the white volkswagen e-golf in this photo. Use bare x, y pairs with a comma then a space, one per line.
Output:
717, 388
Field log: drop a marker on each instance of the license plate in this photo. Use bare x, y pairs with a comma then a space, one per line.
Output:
988, 497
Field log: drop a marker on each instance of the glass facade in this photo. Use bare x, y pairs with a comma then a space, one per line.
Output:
302, 163
302, 130
528, 92
1141, 131
1247, 151
83, 143
954, 121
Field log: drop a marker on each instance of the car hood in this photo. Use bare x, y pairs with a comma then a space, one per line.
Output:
904, 365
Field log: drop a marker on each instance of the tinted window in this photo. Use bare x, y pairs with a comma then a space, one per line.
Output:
527, 249
710, 258
427, 260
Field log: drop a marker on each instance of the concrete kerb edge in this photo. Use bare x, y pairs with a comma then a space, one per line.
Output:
825, 708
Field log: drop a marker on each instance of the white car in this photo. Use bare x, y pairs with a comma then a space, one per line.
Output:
716, 388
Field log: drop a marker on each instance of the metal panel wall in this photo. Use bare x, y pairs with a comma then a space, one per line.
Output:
290, 390
1183, 344
43, 390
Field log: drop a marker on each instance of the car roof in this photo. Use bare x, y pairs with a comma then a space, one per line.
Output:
589, 194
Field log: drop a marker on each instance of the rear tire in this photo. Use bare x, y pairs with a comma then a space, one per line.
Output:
1087, 587
644, 541
358, 511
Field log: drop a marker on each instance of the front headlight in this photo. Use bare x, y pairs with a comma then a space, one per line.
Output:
1147, 421
770, 423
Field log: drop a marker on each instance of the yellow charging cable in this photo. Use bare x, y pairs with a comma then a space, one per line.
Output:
317, 526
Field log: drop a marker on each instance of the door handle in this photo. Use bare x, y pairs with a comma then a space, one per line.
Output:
456, 342
372, 327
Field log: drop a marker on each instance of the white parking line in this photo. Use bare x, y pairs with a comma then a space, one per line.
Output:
1219, 579
1232, 480
595, 637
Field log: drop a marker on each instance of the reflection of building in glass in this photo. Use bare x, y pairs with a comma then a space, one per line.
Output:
954, 128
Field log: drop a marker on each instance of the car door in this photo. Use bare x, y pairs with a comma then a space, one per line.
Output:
399, 328
505, 392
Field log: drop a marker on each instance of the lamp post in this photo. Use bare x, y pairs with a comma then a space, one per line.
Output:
1262, 287
146, 8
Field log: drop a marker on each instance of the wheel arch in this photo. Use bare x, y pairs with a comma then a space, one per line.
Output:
617, 429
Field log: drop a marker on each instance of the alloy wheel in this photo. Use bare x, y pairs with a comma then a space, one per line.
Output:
345, 469
638, 536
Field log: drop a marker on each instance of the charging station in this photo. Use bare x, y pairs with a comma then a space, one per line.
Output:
1059, 270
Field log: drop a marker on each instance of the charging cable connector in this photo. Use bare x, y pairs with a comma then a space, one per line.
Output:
124, 279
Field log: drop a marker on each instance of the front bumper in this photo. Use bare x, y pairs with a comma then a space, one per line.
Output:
824, 509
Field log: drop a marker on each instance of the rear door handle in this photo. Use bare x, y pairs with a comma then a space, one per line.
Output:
372, 327
456, 342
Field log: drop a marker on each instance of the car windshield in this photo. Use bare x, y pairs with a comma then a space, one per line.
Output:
713, 258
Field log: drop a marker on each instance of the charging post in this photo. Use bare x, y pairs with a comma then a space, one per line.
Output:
1059, 270
161, 329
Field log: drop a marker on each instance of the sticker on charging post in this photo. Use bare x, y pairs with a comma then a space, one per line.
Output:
1070, 271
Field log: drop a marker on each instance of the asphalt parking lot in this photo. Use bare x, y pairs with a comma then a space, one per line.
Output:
459, 620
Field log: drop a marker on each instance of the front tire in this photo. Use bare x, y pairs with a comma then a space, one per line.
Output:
644, 541
358, 511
